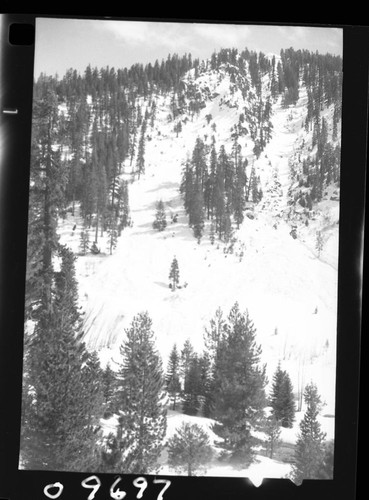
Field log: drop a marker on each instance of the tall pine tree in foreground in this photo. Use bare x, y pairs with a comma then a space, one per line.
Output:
309, 454
189, 449
282, 399
141, 400
238, 385
60, 418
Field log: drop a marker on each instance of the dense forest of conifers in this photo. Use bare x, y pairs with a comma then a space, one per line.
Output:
84, 128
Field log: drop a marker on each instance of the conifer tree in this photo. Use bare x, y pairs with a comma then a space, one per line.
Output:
239, 382
123, 205
282, 399
214, 335
192, 387
112, 232
187, 354
109, 381
319, 243
59, 428
205, 383
140, 399
197, 215
189, 449
309, 455
273, 432
46, 199
140, 163
160, 222
212, 233
174, 274
84, 239
173, 382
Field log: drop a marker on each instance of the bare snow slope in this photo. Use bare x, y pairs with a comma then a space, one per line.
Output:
290, 294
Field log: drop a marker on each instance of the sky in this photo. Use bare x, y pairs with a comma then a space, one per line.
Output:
75, 43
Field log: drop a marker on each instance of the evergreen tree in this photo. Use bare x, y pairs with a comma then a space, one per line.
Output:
84, 240
189, 449
239, 193
197, 215
140, 399
214, 335
326, 471
212, 233
172, 377
319, 242
123, 205
227, 226
282, 399
160, 222
109, 382
205, 383
219, 200
239, 382
192, 387
309, 455
59, 424
140, 163
187, 354
46, 199
112, 232
273, 432
174, 274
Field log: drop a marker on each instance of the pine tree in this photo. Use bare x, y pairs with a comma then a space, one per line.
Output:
140, 399
205, 383
84, 240
109, 382
112, 232
46, 199
123, 205
214, 335
227, 226
319, 243
326, 470
239, 382
282, 399
273, 432
174, 274
309, 455
239, 192
187, 354
172, 377
189, 449
192, 387
212, 233
160, 222
140, 162
197, 215
59, 425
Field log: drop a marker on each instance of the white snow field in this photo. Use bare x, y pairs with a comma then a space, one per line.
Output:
290, 292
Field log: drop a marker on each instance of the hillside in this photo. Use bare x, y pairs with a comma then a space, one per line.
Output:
279, 279
280, 262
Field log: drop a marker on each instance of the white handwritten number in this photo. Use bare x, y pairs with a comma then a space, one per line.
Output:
118, 494
95, 487
167, 484
141, 483
53, 495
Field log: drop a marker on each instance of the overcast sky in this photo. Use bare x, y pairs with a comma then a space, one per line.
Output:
74, 43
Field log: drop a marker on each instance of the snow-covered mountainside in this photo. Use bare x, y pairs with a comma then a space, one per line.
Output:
274, 269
